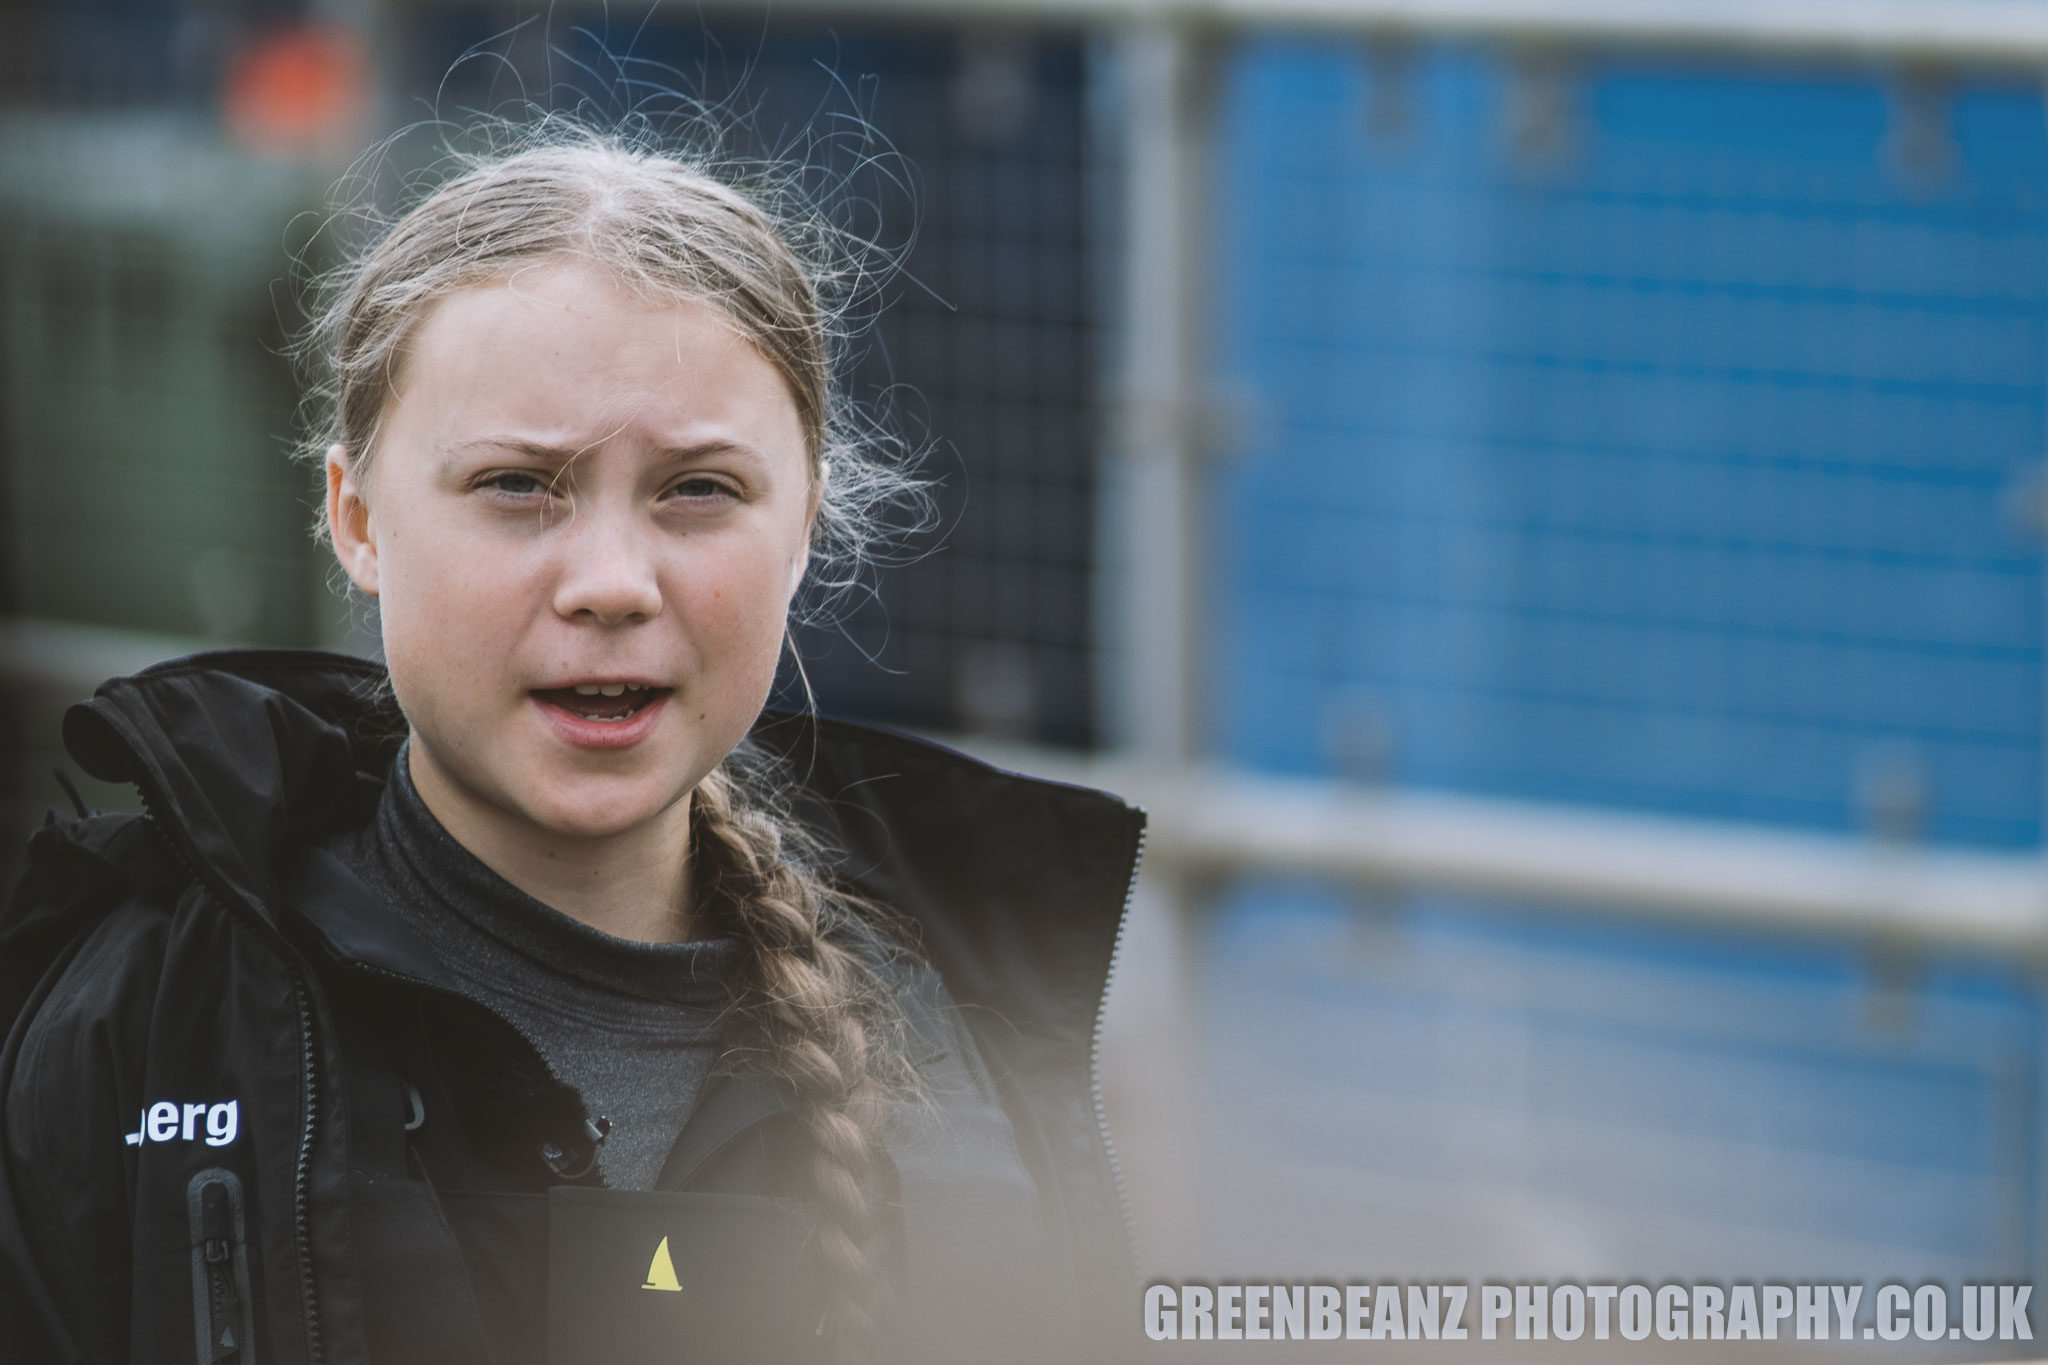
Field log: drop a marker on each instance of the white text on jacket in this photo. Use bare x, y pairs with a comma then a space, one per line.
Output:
167, 1121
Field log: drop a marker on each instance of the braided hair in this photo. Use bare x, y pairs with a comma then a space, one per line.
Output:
813, 993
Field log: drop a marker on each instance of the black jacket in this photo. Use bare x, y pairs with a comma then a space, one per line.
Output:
247, 1119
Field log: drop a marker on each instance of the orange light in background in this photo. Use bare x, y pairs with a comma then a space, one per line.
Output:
297, 90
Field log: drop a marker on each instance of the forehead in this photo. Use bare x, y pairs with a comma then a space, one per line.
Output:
568, 352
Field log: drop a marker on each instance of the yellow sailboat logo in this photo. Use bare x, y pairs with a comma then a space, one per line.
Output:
661, 1271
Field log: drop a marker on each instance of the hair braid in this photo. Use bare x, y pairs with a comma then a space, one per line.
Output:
813, 990
684, 225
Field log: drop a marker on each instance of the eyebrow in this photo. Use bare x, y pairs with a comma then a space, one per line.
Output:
561, 455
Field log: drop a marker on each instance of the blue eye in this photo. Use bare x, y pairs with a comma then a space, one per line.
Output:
516, 483
700, 487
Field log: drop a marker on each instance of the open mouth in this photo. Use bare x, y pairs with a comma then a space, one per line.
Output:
605, 703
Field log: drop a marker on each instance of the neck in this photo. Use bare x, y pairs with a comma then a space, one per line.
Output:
632, 885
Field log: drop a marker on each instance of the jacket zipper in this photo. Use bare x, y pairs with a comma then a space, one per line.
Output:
222, 1313
302, 1224
1116, 1172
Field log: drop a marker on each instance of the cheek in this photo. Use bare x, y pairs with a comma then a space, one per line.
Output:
448, 614
737, 610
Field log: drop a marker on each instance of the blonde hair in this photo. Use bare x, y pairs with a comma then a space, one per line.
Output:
814, 991
668, 225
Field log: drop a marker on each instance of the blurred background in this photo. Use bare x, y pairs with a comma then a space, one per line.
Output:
1542, 501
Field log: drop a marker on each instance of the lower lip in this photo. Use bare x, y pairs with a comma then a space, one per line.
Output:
603, 734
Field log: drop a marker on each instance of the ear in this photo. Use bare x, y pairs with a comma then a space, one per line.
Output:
348, 521
803, 558
796, 570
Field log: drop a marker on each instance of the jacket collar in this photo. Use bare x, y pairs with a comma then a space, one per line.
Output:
1016, 886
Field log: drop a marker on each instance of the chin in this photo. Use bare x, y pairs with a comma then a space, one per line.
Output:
601, 808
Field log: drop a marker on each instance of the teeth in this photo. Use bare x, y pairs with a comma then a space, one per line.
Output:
609, 689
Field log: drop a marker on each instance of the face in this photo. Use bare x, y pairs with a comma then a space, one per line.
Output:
583, 523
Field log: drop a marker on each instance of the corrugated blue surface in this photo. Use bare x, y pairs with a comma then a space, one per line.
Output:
1396, 1087
1658, 447
1670, 464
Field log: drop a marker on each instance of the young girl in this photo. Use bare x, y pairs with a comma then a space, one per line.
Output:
544, 999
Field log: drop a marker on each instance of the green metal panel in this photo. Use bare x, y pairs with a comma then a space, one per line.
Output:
144, 294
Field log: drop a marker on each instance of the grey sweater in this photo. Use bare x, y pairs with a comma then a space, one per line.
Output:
633, 1026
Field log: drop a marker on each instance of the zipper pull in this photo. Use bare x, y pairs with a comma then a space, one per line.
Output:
216, 1224
218, 1284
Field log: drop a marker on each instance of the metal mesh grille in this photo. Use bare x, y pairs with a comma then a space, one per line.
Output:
985, 352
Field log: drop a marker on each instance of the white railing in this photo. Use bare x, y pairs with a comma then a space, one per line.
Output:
1211, 821
2006, 33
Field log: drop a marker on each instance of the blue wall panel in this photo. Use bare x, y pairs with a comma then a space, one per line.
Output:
1666, 452
1674, 465
1442, 1084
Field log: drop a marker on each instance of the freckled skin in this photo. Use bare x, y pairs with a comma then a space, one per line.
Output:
662, 543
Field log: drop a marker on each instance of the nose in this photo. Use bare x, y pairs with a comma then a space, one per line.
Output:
607, 574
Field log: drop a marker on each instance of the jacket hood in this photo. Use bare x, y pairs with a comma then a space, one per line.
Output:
1017, 886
